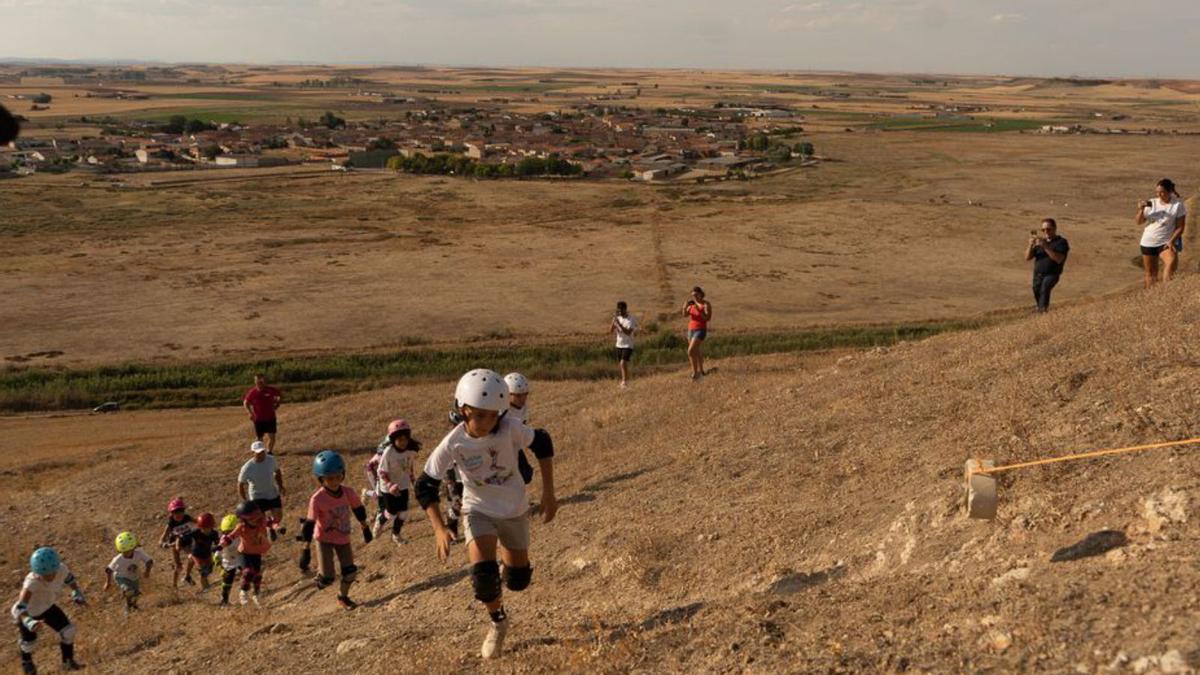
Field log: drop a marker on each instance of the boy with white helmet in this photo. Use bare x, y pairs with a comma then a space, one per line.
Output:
394, 470
483, 449
124, 568
518, 396
36, 606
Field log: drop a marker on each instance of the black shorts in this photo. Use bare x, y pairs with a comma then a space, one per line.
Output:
54, 617
624, 353
1152, 251
268, 504
394, 503
264, 427
252, 562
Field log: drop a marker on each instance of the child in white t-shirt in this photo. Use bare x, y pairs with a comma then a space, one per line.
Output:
395, 477
131, 565
518, 409
37, 606
230, 557
483, 449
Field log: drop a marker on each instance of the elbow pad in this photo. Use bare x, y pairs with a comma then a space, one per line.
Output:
427, 490
542, 445
70, 580
306, 529
360, 512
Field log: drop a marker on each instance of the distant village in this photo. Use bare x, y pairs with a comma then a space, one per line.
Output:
593, 140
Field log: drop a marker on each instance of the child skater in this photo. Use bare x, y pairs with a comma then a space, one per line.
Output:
395, 477
204, 541
483, 449
36, 606
329, 512
124, 569
518, 397
177, 536
253, 536
231, 559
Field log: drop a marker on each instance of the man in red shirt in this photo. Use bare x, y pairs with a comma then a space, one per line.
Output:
261, 402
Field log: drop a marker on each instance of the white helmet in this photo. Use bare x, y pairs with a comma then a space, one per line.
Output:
482, 388
517, 383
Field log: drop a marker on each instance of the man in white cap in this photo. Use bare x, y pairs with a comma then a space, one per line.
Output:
261, 481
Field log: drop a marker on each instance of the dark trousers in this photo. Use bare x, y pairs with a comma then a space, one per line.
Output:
1042, 285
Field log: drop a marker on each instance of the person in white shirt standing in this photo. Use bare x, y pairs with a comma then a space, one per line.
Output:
36, 606
623, 326
1164, 218
261, 481
483, 449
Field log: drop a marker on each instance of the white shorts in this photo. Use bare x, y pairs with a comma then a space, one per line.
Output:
513, 533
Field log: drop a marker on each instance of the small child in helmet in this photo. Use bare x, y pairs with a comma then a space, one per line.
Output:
371, 469
204, 541
253, 537
124, 569
231, 559
518, 397
329, 511
452, 488
395, 476
37, 605
484, 449
177, 536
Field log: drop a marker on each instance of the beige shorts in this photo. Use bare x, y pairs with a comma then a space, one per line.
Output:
513, 533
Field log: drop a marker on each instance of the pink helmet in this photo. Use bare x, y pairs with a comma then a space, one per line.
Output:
176, 504
396, 426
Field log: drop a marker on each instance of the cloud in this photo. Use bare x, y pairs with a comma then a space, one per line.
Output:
1014, 17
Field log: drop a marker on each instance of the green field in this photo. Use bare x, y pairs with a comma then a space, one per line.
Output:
977, 125
318, 377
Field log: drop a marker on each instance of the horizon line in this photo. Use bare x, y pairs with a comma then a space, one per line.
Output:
16, 60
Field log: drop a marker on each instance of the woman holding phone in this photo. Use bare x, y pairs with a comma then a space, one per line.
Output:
1163, 218
699, 313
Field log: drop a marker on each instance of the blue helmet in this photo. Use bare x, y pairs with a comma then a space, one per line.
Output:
327, 463
44, 561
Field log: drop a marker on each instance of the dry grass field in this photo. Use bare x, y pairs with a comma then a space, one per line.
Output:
790, 513
902, 226
783, 515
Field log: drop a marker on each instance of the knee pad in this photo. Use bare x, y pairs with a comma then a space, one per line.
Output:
324, 582
349, 572
517, 578
67, 635
27, 646
485, 577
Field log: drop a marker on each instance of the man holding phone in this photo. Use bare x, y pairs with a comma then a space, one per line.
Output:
1049, 253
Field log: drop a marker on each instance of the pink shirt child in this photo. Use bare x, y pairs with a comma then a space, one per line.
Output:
333, 514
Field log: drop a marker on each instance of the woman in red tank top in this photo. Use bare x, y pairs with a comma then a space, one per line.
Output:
699, 313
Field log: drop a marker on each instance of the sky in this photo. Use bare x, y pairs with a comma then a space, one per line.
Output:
1149, 38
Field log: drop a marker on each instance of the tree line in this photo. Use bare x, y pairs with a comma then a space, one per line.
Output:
458, 165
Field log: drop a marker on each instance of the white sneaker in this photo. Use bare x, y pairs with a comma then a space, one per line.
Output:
493, 644
255, 599
380, 524
243, 597
398, 540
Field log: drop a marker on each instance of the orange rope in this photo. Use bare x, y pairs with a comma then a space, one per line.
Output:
1084, 455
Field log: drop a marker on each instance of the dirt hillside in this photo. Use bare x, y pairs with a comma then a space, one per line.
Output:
781, 516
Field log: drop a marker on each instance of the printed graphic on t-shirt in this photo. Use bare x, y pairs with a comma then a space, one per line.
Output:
338, 519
